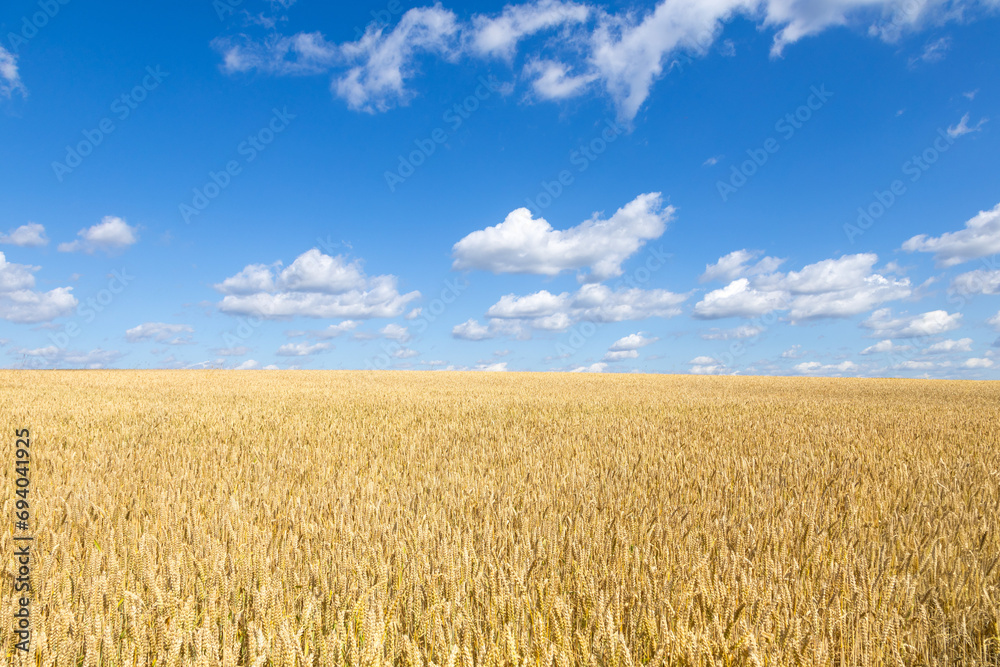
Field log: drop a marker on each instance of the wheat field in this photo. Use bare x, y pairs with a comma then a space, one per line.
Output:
458, 519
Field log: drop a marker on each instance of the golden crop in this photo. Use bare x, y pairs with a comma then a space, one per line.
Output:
459, 519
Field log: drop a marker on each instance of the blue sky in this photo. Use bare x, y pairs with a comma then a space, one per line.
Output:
733, 186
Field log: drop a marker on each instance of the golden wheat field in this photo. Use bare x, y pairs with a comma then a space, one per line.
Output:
459, 519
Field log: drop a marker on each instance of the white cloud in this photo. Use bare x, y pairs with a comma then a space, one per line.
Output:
315, 285
10, 78
794, 352
914, 365
331, 331
553, 81
592, 368
630, 54
734, 266
626, 52
499, 367
933, 51
301, 349
962, 127
110, 234
499, 35
56, 357
840, 287
884, 347
472, 330
620, 355
979, 281
932, 323
20, 303
592, 302
302, 53
385, 59
994, 321
817, 368
981, 237
961, 345
160, 332
738, 333
395, 332
312, 271
523, 244
29, 235
738, 299
247, 365
704, 365
977, 363
632, 342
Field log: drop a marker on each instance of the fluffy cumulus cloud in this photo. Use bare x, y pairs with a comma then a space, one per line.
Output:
524, 244
569, 46
314, 285
161, 332
20, 303
841, 287
979, 238
933, 323
31, 235
592, 303
980, 281
472, 330
737, 265
111, 234
395, 332
632, 342
977, 363
739, 299
10, 78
